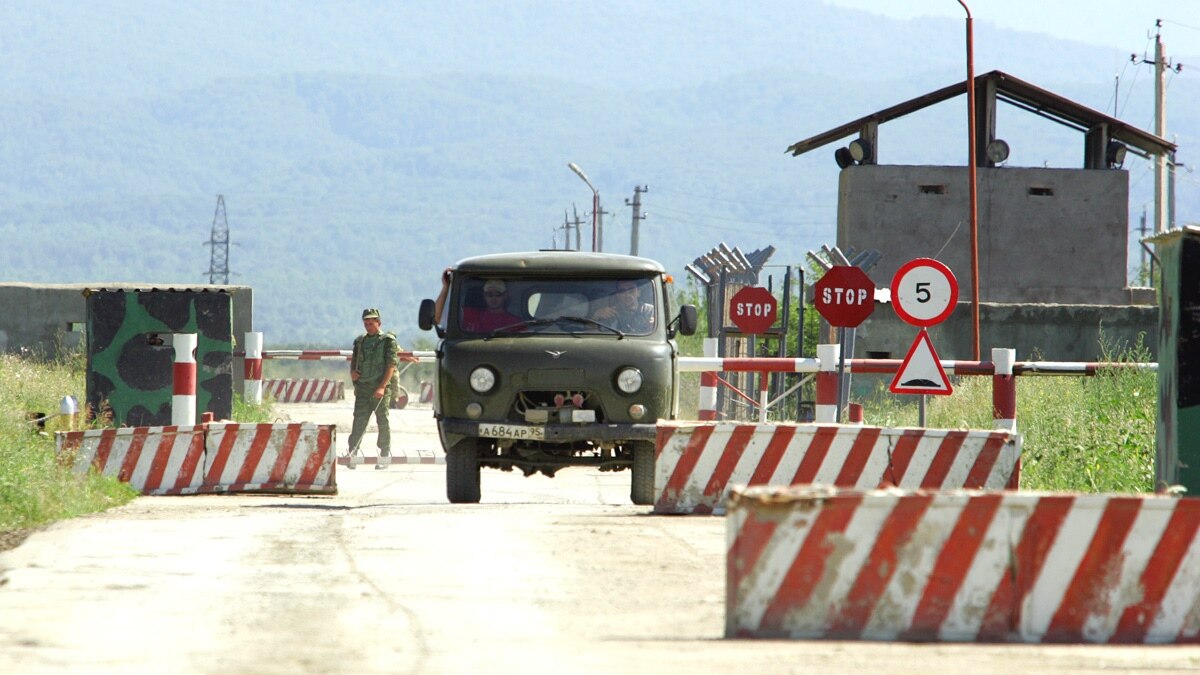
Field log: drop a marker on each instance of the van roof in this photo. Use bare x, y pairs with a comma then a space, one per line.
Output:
558, 262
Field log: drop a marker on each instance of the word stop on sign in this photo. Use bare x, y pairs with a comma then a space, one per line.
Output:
844, 296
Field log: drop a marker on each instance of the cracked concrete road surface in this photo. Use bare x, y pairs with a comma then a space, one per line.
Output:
546, 575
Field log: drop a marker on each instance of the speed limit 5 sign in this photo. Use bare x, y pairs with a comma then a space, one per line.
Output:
924, 292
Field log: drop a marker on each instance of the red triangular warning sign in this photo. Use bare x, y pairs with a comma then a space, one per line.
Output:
921, 372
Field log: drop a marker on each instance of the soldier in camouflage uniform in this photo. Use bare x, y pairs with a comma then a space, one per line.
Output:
371, 368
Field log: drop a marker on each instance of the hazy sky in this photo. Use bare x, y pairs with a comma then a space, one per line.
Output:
1122, 24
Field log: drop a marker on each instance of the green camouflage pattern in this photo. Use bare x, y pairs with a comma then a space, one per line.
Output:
130, 379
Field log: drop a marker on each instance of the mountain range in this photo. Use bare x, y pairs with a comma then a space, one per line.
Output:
362, 147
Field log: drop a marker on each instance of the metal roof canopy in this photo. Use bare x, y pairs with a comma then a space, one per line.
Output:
1097, 127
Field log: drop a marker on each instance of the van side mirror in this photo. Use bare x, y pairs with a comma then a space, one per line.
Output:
688, 319
425, 318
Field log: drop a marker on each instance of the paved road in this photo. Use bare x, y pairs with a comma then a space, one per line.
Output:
561, 576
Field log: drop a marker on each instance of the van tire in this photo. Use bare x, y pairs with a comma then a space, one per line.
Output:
641, 489
462, 472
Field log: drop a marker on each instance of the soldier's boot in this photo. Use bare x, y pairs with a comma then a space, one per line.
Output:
384, 460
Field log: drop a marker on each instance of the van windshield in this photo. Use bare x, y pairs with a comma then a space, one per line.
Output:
626, 306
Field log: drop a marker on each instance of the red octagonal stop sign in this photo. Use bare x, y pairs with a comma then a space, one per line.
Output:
752, 309
845, 296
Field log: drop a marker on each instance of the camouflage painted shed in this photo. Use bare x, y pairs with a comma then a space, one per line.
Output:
130, 354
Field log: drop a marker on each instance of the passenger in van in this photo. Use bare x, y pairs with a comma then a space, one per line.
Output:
494, 314
625, 310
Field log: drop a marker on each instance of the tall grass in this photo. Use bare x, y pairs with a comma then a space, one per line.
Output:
1080, 434
34, 487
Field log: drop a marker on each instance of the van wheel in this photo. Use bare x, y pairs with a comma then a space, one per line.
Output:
462, 472
641, 489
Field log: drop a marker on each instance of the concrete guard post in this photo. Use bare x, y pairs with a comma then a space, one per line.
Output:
962, 566
697, 463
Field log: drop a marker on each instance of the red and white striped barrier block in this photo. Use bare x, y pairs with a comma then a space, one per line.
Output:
962, 566
154, 460
305, 390
206, 458
292, 458
696, 463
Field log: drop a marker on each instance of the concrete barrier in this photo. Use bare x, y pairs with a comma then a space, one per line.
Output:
292, 458
962, 566
305, 390
696, 463
208, 458
154, 460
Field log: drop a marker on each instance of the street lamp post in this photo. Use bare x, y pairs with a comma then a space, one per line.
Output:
595, 201
971, 176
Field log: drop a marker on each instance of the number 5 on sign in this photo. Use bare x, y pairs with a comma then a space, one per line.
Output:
924, 292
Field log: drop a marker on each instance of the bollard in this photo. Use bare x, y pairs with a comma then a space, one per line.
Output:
183, 400
253, 368
708, 385
827, 393
1004, 390
854, 413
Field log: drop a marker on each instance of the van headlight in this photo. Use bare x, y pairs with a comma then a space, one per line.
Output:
483, 379
629, 380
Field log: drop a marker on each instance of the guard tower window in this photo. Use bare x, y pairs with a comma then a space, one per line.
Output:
1041, 192
932, 189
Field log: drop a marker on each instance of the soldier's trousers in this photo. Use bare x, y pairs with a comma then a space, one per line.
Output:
364, 404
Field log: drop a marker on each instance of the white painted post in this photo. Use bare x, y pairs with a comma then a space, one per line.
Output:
183, 402
253, 392
708, 384
827, 383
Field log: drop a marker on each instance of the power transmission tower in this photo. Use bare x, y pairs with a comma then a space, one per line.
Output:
637, 216
1161, 66
218, 240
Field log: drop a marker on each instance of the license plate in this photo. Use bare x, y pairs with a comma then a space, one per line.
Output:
517, 431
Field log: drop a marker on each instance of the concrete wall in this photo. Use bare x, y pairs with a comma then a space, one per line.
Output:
40, 316
1045, 235
1036, 331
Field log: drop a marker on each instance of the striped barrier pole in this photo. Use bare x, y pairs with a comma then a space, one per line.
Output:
827, 394
253, 368
708, 384
183, 399
1004, 390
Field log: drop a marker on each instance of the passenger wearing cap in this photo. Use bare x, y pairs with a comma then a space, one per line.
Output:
371, 367
495, 312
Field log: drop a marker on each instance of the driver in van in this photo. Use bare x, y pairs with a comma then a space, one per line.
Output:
626, 312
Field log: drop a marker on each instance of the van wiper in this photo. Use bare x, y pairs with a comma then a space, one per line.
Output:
532, 323
528, 323
593, 322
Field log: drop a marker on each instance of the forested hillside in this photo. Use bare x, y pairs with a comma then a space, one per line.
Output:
361, 148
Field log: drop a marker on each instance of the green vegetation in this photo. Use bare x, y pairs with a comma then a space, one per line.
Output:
35, 488
1081, 434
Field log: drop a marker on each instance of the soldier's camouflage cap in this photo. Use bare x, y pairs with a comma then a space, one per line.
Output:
371, 313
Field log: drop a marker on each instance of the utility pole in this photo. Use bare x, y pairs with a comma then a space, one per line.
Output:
218, 240
578, 226
637, 216
1161, 66
566, 227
